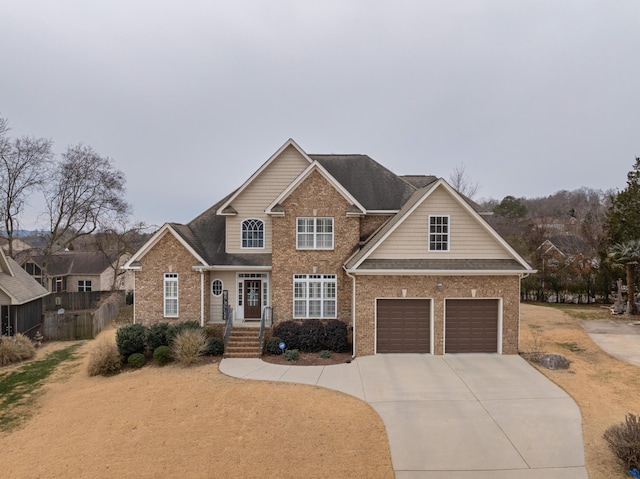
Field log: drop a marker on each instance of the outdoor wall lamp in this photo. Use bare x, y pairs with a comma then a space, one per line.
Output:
439, 284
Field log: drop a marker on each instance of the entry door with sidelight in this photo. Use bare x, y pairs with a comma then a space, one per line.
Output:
253, 303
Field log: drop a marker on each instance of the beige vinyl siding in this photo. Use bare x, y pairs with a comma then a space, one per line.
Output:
468, 239
228, 279
252, 202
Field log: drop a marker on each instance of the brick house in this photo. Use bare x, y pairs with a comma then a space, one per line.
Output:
407, 262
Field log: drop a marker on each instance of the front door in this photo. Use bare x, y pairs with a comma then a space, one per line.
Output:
253, 303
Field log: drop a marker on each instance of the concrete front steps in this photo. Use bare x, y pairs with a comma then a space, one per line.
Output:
243, 343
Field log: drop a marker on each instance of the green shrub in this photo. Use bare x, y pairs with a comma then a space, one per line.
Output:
624, 441
291, 354
336, 336
136, 360
130, 339
325, 354
188, 346
157, 336
215, 346
311, 335
289, 332
162, 355
16, 348
104, 359
272, 345
177, 328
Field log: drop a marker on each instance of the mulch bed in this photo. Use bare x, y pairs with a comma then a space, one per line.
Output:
309, 359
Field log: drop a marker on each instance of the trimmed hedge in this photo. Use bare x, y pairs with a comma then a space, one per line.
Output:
289, 332
162, 355
157, 336
312, 336
130, 339
336, 336
136, 360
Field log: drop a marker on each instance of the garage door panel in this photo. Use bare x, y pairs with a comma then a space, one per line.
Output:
403, 325
471, 325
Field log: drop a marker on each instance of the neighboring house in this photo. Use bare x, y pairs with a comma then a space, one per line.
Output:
73, 271
407, 262
20, 299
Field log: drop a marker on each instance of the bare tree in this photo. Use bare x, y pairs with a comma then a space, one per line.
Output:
462, 183
85, 192
24, 163
118, 242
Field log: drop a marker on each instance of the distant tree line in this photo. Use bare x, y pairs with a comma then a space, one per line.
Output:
580, 241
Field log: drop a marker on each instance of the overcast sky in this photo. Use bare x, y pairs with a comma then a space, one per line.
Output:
191, 97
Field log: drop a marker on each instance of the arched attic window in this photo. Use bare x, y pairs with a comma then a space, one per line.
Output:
253, 233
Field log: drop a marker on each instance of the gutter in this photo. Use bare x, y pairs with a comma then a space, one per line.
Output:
353, 310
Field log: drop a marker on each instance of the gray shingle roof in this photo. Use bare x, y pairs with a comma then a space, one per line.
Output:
21, 286
64, 263
374, 186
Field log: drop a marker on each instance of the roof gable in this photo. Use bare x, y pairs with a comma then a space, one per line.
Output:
226, 208
275, 208
179, 232
384, 239
20, 286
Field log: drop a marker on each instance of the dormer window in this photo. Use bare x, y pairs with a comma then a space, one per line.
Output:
253, 233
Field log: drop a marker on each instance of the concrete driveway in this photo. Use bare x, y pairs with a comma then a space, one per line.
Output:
454, 416
619, 338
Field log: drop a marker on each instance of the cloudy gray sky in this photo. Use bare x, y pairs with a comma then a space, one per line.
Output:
190, 97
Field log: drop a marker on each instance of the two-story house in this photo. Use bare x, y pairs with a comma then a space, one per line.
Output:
407, 262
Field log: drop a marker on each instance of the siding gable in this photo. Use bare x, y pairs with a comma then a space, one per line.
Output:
468, 238
252, 201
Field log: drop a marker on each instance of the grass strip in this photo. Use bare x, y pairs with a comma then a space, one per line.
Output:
17, 388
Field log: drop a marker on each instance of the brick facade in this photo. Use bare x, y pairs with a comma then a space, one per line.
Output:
370, 288
167, 256
313, 197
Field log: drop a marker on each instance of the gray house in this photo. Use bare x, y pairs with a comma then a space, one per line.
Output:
20, 299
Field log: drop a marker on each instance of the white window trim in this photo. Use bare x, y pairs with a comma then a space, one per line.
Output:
315, 232
448, 217
315, 278
221, 287
264, 234
170, 278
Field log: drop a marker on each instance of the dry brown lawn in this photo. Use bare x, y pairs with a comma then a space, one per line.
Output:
197, 423
176, 422
605, 388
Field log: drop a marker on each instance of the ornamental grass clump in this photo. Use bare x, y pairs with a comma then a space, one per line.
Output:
16, 348
104, 359
624, 441
188, 346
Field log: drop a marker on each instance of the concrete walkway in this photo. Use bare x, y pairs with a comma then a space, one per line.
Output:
619, 338
460, 416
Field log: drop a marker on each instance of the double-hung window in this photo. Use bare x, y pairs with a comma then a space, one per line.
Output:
314, 296
253, 233
171, 295
438, 233
314, 233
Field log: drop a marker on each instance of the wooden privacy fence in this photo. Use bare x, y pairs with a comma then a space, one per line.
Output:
75, 301
81, 324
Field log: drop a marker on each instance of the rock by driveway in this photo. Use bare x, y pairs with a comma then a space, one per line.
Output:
619, 338
454, 416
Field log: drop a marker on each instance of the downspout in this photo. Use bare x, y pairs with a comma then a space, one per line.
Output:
201, 298
353, 309
134, 297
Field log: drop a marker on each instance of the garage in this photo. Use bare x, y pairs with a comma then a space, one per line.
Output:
471, 325
403, 325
